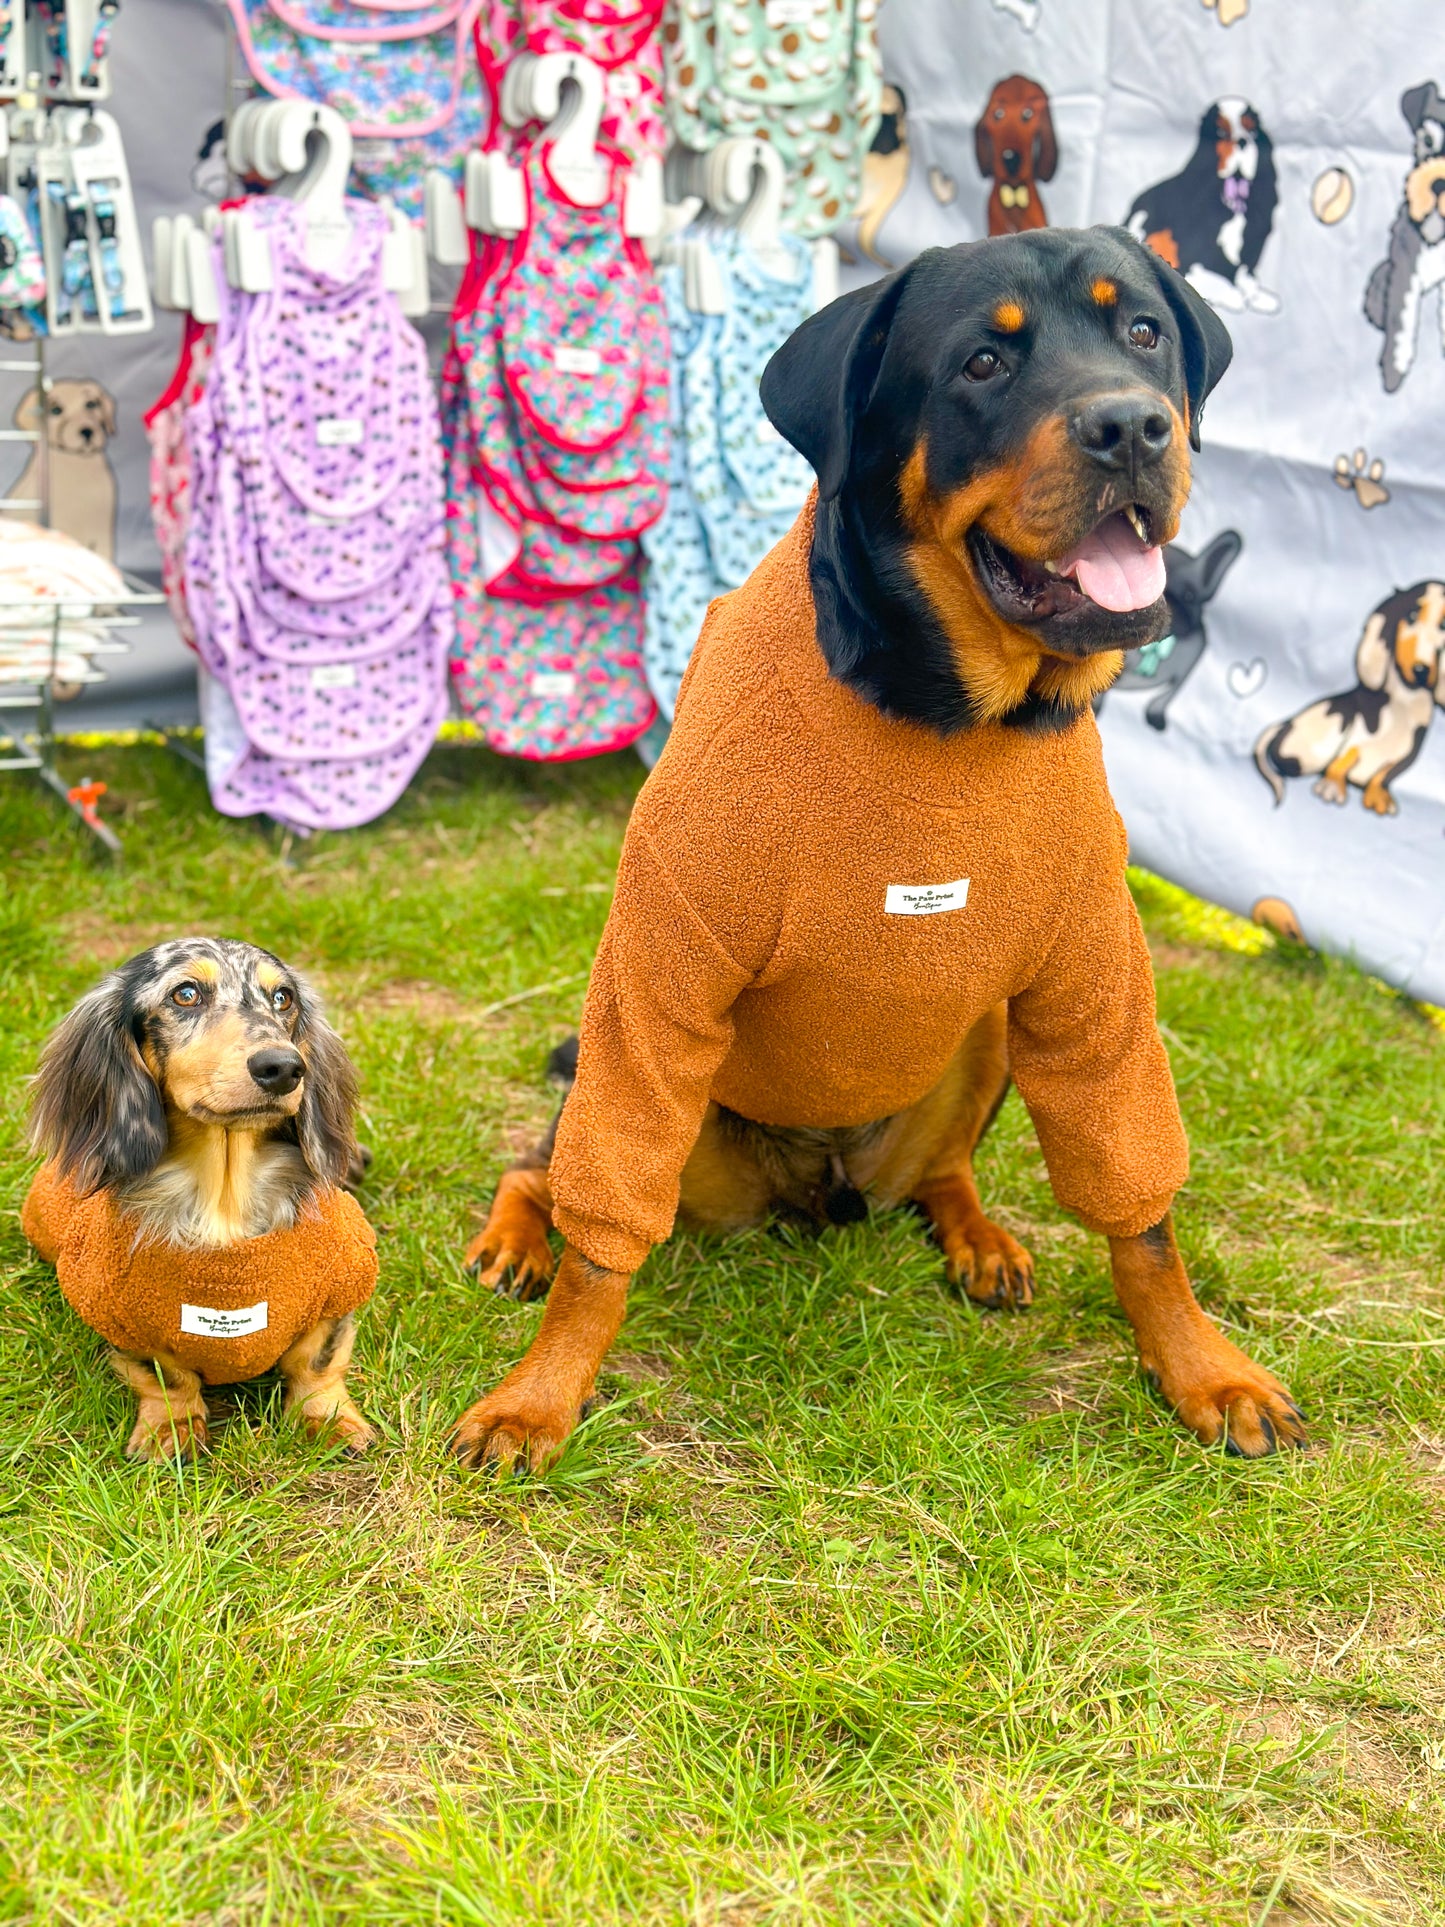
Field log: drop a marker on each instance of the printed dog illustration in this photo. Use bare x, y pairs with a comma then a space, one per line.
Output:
1212, 220
885, 173
79, 422
1191, 583
1016, 149
1367, 735
1416, 261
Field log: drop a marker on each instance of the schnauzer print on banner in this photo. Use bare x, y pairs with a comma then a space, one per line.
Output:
1415, 263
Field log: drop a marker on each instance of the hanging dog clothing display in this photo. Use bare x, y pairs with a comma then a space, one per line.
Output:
315, 577
737, 486
802, 74
622, 41
403, 76
170, 474
555, 403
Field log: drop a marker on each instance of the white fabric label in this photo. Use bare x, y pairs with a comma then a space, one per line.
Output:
202, 1322
925, 899
789, 13
338, 431
553, 682
575, 361
334, 675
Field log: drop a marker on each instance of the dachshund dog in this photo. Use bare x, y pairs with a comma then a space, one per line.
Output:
876, 874
196, 1101
1366, 736
1416, 260
1212, 220
1016, 149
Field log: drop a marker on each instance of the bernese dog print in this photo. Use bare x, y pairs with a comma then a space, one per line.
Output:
1415, 262
1213, 219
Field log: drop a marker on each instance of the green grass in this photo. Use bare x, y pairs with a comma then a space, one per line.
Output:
848, 1604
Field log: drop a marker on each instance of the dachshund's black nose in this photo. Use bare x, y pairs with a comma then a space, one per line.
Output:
278, 1069
1123, 431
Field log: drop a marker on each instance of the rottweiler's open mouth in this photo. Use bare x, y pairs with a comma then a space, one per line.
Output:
1117, 568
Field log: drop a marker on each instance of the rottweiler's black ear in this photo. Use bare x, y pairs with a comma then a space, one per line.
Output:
818, 384
1208, 349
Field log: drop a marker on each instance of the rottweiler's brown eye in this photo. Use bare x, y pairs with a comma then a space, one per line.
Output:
1144, 334
281, 998
186, 995
983, 366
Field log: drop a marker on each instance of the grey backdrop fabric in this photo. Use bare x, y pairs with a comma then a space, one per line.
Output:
1127, 86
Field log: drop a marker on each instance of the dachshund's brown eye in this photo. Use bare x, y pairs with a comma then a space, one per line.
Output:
186, 995
281, 998
1144, 333
983, 366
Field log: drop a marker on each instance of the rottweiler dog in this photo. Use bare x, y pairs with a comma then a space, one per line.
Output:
821, 968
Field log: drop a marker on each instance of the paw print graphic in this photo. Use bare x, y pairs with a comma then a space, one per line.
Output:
1367, 480
1229, 10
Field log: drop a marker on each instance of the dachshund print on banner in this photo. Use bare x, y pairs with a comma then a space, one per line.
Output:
1212, 220
1016, 149
885, 173
1366, 736
1191, 583
79, 421
1416, 261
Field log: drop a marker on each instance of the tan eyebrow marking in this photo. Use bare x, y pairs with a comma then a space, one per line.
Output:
1008, 317
203, 968
1104, 292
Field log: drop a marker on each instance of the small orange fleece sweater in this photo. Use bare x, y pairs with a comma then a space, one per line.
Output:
815, 903
225, 1311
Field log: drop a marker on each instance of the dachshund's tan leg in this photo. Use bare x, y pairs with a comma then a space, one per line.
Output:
172, 1420
1213, 1386
531, 1414
315, 1369
993, 1268
511, 1253
1333, 786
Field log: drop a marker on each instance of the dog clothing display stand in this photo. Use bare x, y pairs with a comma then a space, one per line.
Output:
70, 159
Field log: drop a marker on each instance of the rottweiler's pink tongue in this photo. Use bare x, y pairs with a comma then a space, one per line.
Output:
1114, 568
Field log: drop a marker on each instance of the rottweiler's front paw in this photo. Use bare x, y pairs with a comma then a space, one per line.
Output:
994, 1269
515, 1260
1221, 1394
518, 1427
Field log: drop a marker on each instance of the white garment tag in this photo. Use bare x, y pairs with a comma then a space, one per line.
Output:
202, 1322
372, 47
925, 899
575, 361
789, 13
339, 431
334, 675
621, 83
553, 682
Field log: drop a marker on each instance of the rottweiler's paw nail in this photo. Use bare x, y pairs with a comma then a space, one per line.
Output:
1268, 1429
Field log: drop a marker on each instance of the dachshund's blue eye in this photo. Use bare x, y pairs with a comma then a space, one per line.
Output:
281, 998
186, 995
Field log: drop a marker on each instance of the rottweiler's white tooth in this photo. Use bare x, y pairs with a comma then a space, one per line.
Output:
1052, 567
1136, 522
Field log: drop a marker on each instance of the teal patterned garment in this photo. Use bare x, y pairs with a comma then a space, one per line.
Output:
735, 486
802, 74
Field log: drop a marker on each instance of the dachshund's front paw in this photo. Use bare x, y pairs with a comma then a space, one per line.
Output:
521, 1426
336, 1423
161, 1433
1220, 1393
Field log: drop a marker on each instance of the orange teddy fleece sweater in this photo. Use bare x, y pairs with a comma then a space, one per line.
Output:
814, 905
225, 1311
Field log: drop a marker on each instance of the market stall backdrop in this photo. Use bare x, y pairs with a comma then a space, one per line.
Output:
1281, 755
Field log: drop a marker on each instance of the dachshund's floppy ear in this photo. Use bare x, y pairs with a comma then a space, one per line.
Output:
325, 1123
818, 384
1208, 349
96, 1109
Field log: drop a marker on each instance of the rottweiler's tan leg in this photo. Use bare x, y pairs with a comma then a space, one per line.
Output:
993, 1268
315, 1369
511, 1253
172, 1420
1333, 786
531, 1414
1214, 1387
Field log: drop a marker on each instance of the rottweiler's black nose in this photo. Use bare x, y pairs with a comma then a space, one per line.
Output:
277, 1069
1123, 431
